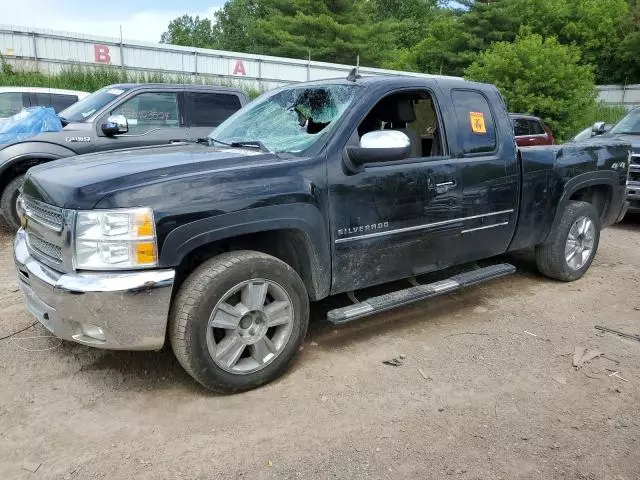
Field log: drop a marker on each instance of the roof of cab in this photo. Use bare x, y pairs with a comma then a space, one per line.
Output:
58, 91
524, 115
131, 86
402, 81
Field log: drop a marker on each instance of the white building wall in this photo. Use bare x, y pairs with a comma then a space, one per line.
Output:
49, 51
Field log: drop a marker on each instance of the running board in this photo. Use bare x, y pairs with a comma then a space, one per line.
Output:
410, 295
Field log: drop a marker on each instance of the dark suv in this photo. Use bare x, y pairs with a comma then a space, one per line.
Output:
530, 130
116, 117
628, 130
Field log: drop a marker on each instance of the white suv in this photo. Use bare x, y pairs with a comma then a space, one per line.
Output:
14, 99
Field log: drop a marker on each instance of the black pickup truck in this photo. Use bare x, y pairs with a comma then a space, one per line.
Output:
312, 190
117, 116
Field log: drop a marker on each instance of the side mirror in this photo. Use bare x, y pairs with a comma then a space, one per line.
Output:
115, 124
599, 128
380, 146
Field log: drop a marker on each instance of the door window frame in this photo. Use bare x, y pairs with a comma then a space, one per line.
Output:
108, 111
188, 112
498, 142
523, 120
354, 138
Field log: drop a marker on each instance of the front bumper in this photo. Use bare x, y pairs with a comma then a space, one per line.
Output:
633, 196
112, 310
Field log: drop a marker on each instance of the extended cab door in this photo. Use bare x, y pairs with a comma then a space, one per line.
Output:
488, 172
396, 219
154, 118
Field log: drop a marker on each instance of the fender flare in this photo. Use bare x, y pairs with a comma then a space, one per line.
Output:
19, 152
302, 218
610, 178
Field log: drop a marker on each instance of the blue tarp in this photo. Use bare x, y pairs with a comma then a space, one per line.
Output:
27, 123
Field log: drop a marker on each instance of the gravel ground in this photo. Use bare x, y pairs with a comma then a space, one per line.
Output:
487, 391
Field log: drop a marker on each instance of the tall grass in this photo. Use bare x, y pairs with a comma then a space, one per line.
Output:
604, 113
89, 79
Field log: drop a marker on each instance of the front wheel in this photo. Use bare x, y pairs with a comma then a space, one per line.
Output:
8, 202
238, 320
572, 246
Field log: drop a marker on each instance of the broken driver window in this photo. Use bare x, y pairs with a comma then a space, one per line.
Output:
290, 120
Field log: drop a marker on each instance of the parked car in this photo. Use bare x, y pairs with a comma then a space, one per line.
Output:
530, 131
14, 99
118, 116
315, 189
29, 122
597, 128
628, 130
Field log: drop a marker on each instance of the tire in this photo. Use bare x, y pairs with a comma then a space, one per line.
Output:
203, 304
8, 202
552, 257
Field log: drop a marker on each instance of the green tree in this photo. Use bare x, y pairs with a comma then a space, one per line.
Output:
454, 39
539, 76
395, 27
444, 50
236, 23
189, 31
401, 9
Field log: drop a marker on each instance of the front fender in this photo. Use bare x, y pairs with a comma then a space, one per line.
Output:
20, 152
299, 217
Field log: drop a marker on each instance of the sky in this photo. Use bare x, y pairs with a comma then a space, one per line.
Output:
140, 19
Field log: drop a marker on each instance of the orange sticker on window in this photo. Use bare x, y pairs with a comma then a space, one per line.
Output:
477, 122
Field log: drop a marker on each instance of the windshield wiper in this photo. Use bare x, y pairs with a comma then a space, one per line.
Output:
63, 121
244, 143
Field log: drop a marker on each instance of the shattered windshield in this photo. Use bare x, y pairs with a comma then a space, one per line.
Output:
83, 109
289, 120
629, 125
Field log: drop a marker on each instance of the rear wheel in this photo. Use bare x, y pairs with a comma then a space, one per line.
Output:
238, 320
8, 202
572, 246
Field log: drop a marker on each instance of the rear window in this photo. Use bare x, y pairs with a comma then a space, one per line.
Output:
55, 100
211, 109
536, 128
476, 126
10, 103
520, 127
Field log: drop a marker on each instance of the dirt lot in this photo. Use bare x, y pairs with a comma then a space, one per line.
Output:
501, 398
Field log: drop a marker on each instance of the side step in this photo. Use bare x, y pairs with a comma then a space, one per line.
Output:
400, 298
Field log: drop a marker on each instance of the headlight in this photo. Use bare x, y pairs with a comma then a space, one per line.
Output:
20, 209
115, 239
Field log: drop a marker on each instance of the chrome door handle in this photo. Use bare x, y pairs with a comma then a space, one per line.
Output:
444, 187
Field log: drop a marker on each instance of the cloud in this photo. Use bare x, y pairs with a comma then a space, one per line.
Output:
145, 25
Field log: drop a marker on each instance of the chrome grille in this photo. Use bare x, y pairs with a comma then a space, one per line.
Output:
49, 250
47, 215
635, 159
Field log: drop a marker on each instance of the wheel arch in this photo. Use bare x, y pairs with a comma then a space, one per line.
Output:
597, 188
18, 158
295, 234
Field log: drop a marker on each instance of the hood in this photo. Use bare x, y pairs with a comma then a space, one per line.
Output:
633, 140
82, 181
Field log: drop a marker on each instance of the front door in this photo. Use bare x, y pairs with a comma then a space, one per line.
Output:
395, 220
154, 118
